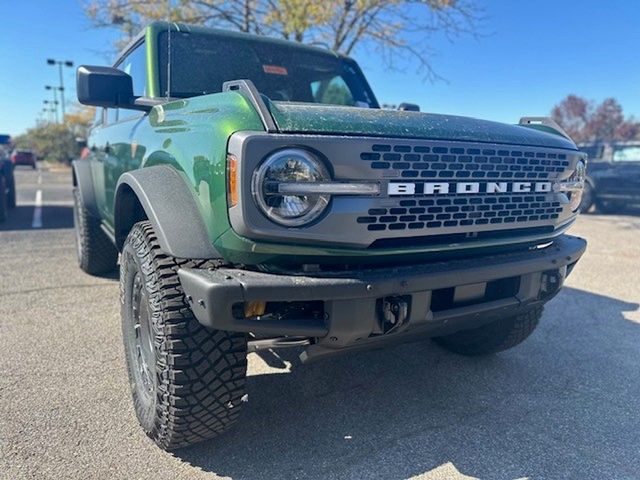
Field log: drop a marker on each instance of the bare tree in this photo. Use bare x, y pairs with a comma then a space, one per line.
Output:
399, 31
573, 114
584, 121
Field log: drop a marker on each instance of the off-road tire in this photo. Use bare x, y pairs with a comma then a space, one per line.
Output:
3, 198
196, 381
95, 252
494, 337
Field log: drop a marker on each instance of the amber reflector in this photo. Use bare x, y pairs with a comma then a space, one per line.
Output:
232, 180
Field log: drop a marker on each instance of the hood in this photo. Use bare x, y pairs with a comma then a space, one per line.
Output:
338, 120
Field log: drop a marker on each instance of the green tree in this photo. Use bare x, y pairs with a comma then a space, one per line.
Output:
397, 30
57, 142
49, 141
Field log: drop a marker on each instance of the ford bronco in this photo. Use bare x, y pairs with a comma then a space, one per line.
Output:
257, 197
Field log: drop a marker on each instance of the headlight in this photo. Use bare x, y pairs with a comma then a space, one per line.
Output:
578, 178
290, 166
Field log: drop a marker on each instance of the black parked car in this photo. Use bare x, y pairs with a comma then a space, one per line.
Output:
613, 176
7, 185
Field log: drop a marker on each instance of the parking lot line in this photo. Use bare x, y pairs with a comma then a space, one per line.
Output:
37, 211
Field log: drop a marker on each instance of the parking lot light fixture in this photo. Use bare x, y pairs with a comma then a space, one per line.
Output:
61, 63
55, 98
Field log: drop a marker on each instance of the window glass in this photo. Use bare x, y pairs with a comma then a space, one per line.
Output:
333, 91
201, 63
629, 153
593, 151
135, 64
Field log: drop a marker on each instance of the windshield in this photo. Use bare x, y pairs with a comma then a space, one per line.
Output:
630, 153
593, 151
200, 64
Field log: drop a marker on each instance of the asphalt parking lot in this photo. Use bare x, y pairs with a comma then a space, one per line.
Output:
562, 405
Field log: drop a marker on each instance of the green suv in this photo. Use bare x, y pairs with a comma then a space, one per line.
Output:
256, 196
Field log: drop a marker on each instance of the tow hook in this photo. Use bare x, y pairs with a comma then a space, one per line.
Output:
395, 311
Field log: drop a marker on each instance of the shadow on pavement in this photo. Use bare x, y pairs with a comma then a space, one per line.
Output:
53, 217
562, 405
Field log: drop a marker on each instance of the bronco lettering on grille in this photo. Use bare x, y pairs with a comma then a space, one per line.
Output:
444, 188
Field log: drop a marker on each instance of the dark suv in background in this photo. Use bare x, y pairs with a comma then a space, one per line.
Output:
7, 185
613, 176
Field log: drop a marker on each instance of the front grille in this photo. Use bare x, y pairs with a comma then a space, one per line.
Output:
460, 163
456, 192
420, 213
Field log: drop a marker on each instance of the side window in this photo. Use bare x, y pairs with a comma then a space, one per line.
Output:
135, 64
627, 154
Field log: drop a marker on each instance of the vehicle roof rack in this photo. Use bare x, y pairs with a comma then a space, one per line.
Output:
251, 93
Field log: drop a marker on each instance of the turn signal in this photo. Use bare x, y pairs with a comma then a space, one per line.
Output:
232, 180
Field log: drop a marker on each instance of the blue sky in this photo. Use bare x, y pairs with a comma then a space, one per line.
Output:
531, 55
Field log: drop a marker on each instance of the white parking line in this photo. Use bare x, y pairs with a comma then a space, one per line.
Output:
39, 178
37, 211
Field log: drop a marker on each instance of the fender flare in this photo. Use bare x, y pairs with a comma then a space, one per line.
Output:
83, 180
170, 207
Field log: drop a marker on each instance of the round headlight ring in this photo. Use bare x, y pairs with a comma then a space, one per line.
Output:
290, 165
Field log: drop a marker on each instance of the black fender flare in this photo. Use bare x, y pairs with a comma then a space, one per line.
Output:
169, 205
83, 181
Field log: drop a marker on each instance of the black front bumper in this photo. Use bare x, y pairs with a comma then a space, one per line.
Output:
352, 300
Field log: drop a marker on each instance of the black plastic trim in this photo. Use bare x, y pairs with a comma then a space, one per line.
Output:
350, 297
83, 180
170, 207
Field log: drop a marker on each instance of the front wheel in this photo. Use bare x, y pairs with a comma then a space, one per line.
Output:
497, 336
187, 382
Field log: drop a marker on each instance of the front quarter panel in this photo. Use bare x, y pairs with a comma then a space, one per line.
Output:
191, 136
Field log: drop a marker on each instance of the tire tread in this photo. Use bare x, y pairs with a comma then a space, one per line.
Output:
201, 372
98, 254
497, 336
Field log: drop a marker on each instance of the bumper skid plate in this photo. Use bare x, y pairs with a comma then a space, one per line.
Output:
358, 304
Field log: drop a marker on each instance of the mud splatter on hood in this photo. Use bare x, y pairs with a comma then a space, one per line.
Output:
308, 118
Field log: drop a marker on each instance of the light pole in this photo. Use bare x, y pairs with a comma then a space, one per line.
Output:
55, 99
53, 110
66, 63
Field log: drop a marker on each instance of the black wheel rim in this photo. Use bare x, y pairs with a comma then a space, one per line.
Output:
143, 336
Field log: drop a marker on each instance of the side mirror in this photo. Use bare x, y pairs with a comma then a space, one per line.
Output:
104, 87
409, 107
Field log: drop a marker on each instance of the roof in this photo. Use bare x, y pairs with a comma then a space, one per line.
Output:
159, 26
